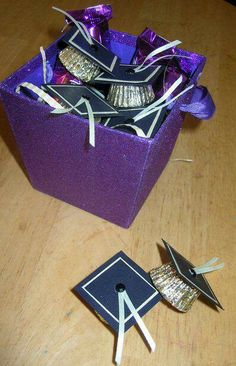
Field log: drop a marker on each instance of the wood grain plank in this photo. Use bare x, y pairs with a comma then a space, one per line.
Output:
48, 246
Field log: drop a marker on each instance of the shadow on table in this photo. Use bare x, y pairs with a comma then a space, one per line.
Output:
191, 124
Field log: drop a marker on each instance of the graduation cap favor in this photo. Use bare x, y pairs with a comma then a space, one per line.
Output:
145, 122
84, 57
80, 100
121, 293
70, 96
130, 75
180, 282
147, 126
130, 87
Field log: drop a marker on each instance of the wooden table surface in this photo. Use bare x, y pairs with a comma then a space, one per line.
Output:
48, 246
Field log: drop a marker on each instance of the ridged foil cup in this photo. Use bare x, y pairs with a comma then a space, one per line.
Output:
78, 65
125, 96
173, 288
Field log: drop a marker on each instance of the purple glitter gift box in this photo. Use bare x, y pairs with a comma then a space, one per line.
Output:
111, 180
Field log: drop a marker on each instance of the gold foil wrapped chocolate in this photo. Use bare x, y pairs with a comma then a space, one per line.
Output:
177, 292
78, 65
125, 96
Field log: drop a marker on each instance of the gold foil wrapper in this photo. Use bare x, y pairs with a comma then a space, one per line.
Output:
126, 96
173, 288
78, 65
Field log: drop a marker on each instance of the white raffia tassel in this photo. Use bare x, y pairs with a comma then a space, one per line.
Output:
123, 298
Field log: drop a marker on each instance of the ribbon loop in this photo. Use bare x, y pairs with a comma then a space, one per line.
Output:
202, 105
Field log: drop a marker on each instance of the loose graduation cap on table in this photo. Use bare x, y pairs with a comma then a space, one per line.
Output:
121, 293
180, 282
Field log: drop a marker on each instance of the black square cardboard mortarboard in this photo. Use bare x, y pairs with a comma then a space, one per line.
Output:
96, 52
185, 270
100, 290
149, 124
69, 95
125, 74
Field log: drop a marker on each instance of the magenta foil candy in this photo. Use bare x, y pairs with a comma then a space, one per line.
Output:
95, 18
62, 76
148, 41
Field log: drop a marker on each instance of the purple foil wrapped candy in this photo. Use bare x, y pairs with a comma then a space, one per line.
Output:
147, 42
171, 74
62, 76
95, 19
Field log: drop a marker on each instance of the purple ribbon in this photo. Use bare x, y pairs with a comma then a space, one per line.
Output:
201, 105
